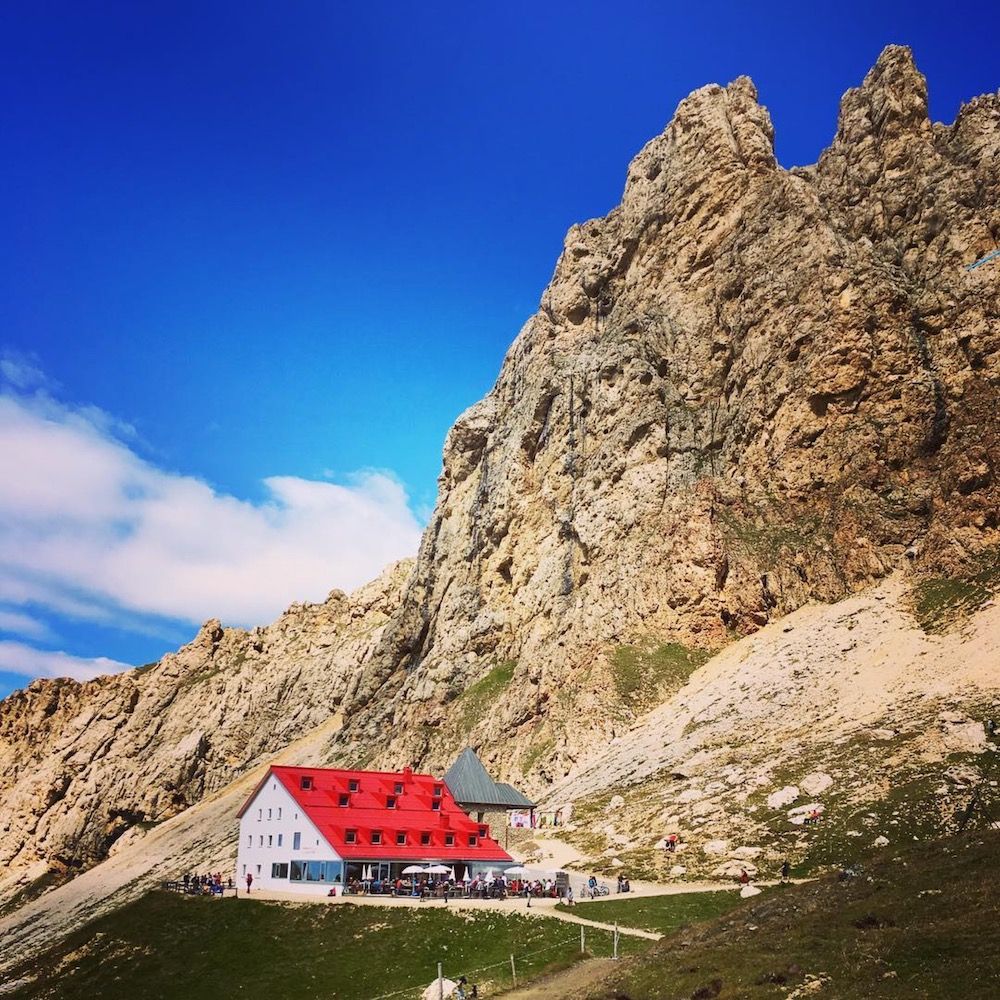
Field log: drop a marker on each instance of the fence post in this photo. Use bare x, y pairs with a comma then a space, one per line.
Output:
440, 983
583, 940
615, 955
513, 971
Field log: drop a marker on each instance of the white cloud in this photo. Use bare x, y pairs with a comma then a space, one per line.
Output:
87, 524
21, 370
18, 658
19, 623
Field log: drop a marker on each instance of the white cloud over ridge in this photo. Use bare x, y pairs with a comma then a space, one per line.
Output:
19, 658
89, 528
19, 623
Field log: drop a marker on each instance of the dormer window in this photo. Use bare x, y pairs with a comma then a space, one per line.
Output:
354, 785
436, 804
350, 836
482, 831
438, 790
343, 799
306, 783
401, 839
398, 788
473, 840
376, 836
449, 840
425, 839
390, 802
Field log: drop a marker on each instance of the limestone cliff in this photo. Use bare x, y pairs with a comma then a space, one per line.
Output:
747, 388
84, 767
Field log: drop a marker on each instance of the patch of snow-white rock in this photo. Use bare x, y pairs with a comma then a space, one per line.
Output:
816, 783
783, 797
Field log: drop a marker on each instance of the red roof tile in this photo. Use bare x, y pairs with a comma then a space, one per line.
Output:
368, 811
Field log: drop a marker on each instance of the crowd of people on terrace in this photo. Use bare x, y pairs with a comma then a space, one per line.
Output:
480, 886
204, 885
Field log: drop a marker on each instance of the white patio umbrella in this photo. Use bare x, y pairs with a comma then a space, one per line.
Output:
414, 870
516, 870
438, 870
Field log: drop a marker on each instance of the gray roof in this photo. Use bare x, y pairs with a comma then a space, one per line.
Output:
468, 781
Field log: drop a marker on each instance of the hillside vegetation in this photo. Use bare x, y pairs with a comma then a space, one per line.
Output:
913, 924
173, 947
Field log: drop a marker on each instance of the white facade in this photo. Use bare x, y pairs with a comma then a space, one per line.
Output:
275, 831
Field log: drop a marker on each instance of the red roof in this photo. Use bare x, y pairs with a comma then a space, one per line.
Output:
418, 807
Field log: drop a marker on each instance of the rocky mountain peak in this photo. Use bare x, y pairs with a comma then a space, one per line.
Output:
891, 102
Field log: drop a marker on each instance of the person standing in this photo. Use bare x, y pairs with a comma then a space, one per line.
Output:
249, 881
786, 871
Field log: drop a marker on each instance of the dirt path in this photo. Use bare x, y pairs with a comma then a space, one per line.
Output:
567, 983
572, 918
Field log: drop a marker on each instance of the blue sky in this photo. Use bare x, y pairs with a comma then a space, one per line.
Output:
257, 258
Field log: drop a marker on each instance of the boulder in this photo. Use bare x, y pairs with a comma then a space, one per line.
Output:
783, 797
816, 783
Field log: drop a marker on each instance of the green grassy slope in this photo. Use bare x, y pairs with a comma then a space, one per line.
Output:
665, 914
172, 947
919, 924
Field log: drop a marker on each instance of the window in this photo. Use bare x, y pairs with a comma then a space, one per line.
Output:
250, 840
279, 870
390, 802
258, 869
269, 814
449, 840
483, 831
296, 841
473, 840
350, 836
401, 838
436, 804
279, 812
261, 840
315, 871
354, 785
279, 840
260, 815
270, 840
425, 839
306, 783
244, 869
437, 789
398, 788
344, 800
376, 836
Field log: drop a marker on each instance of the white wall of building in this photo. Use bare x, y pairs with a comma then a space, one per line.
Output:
267, 836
